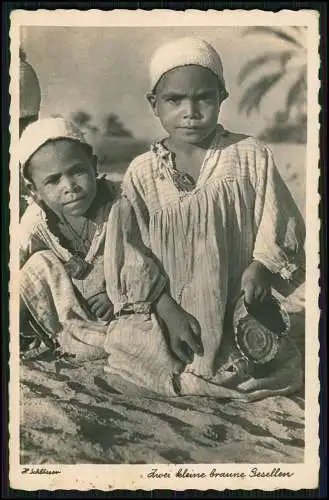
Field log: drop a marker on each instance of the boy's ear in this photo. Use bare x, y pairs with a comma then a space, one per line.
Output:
223, 95
152, 99
31, 191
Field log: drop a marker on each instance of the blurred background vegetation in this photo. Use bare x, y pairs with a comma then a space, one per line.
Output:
265, 67
115, 144
260, 74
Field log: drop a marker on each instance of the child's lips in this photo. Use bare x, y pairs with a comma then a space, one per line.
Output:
193, 128
73, 202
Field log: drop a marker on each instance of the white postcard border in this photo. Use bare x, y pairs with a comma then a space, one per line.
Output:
85, 477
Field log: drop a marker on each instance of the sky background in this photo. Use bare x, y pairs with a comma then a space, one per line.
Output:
104, 70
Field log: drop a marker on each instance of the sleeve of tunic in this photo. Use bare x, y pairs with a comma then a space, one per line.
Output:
280, 235
30, 238
134, 279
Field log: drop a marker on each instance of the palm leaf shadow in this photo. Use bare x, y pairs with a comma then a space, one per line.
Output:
282, 35
255, 93
281, 57
259, 88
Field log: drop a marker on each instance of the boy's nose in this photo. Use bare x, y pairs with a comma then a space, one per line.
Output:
69, 184
191, 109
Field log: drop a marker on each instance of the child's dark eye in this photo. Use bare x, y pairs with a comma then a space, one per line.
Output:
52, 181
79, 169
206, 97
174, 100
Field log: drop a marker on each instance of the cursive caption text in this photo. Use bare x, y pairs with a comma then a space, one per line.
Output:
253, 472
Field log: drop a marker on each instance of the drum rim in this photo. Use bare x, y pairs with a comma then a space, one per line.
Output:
243, 312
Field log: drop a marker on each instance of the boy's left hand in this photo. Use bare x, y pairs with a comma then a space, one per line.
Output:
101, 306
256, 282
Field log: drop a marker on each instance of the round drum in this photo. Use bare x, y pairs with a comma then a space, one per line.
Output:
259, 329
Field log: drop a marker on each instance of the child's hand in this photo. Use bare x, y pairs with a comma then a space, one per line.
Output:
100, 306
183, 329
256, 282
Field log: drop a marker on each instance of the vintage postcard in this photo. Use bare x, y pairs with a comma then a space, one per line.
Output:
164, 250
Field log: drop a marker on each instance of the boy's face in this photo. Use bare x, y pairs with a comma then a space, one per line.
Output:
63, 176
187, 101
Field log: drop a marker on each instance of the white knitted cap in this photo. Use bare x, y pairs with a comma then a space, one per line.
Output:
183, 52
41, 131
29, 91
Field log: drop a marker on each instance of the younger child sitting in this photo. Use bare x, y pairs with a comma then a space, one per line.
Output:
62, 285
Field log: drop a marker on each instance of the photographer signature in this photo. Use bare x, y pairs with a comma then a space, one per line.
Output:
39, 470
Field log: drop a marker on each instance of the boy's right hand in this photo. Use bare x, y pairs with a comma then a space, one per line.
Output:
183, 330
100, 306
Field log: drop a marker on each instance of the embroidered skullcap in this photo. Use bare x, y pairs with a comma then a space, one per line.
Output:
41, 131
29, 90
182, 52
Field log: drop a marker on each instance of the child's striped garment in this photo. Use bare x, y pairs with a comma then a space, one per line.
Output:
50, 288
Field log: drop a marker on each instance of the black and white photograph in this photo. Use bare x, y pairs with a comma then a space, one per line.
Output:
164, 241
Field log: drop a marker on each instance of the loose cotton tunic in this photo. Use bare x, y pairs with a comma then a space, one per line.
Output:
198, 240
54, 296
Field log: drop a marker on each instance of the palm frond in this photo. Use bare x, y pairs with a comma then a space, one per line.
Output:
254, 94
300, 31
295, 90
257, 62
283, 35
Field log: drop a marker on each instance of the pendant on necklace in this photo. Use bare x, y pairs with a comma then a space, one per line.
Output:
183, 181
78, 268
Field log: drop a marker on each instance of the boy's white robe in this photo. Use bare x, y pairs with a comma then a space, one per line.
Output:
198, 243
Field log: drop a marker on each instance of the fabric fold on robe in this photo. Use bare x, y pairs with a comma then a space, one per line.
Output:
52, 300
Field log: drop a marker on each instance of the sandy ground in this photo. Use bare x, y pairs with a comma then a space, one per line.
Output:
78, 415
